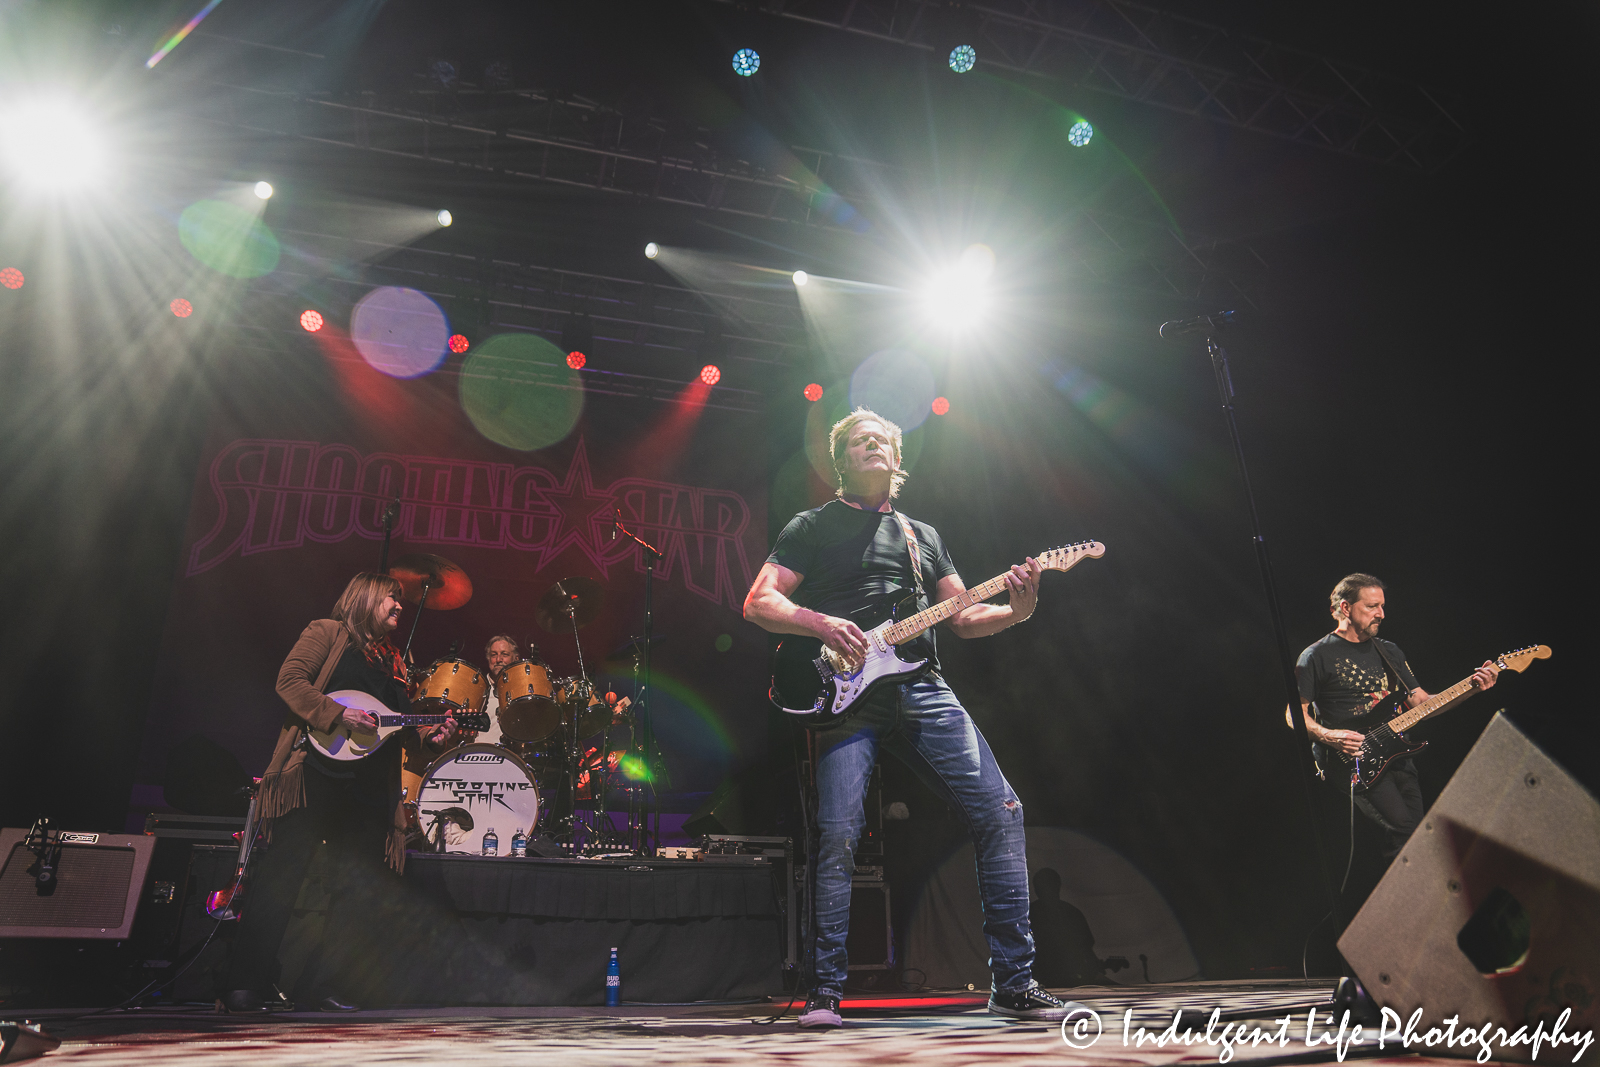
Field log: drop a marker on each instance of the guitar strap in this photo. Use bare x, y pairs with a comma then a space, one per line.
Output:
916, 556
1392, 671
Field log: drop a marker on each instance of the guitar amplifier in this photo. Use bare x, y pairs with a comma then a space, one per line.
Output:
99, 878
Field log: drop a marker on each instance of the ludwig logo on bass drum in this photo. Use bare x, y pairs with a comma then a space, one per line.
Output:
479, 757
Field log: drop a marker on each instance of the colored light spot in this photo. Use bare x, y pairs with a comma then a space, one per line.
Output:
652, 250
896, 384
576, 360
228, 239
746, 61
399, 331
459, 343
963, 57
11, 278
711, 374
941, 406
1079, 133
724, 642
801, 278
310, 321
518, 391
181, 308
813, 392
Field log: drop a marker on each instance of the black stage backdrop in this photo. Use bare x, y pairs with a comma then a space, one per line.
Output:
290, 487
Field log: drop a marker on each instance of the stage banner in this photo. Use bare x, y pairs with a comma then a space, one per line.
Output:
303, 458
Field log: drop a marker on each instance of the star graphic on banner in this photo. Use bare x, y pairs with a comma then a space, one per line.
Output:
576, 503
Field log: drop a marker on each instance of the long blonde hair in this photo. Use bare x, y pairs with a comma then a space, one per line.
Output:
839, 444
359, 601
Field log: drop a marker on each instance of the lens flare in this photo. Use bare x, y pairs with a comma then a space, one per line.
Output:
519, 392
399, 331
228, 239
896, 384
51, 146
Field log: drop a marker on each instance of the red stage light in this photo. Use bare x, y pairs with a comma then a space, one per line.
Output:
311, 321
813, 392
459, 342
576, 360
711, 374
181, 308
940, 405
11, 278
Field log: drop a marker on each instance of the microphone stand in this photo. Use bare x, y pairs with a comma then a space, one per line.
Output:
1219, 367
647, 733
390, 514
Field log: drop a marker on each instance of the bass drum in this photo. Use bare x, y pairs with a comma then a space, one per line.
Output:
451, 685
489, 785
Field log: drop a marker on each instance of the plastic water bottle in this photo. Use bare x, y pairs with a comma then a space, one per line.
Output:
491, 843
519, 843
613, 981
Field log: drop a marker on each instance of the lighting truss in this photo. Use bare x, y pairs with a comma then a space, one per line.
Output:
1181, 64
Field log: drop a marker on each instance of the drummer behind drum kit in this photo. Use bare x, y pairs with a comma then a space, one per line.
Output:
545, 724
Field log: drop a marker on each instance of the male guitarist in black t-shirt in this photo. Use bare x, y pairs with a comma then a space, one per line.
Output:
1345, 675
828, 564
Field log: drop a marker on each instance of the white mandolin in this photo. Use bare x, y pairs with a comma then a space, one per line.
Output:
344, 743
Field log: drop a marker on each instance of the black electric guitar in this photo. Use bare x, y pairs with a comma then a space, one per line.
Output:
818, 687
1386, 739
341, 742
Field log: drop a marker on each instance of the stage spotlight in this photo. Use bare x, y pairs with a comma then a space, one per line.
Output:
1079, 133
941, 406
955, 299
977, 262
813, 392
264, 190
963, 57
459, 343
310, 321
576, 360
746, 61
181, 308
801, 277
711, 374
444, 218
49, 145
652, 250
11, 278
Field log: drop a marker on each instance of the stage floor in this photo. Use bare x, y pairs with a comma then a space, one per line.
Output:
930, 1028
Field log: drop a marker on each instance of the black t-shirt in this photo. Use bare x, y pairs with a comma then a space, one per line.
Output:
852, 559
1345, 679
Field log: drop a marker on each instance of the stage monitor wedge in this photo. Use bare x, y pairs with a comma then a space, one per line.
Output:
98, 882
1491, 912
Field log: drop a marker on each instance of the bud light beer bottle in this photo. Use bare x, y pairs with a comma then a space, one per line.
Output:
613, 981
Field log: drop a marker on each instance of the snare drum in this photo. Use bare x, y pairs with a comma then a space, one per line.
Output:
494, 787
528, 709
451, 685
580, 701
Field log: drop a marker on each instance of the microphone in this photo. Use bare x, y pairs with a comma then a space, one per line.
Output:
1178, 327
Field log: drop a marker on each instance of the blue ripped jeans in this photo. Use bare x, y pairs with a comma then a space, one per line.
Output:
924, 726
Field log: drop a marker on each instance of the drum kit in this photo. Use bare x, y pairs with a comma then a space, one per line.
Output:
561, 740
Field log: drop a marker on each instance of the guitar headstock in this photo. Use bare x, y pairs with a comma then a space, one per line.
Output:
1518, 661
1066, 557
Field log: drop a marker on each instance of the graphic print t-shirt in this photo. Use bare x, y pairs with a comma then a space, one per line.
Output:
853, 560
1345, 679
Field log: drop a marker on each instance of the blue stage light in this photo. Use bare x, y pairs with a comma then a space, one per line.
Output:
746, 61
1079, 134
962, 58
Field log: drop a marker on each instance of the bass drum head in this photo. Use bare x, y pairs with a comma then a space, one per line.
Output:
489, 783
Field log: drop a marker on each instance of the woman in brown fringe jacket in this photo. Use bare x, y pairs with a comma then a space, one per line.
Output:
307, 799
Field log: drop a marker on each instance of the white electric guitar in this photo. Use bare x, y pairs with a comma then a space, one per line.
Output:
341, 742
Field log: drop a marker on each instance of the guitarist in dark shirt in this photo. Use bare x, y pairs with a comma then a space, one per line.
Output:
1345, 675
839, 558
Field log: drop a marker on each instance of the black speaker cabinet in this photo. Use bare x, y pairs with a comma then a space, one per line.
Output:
869, 946
1492, 910
98, 881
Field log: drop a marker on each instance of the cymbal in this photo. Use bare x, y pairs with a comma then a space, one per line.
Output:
448, 585
582, 595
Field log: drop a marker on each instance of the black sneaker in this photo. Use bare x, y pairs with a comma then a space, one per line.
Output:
822, 1012
1031, 1002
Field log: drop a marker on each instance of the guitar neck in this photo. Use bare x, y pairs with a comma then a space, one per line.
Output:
1407, 719
922, 621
